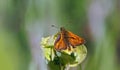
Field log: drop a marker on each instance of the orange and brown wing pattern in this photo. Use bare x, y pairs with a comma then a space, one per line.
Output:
74, 40
60, 43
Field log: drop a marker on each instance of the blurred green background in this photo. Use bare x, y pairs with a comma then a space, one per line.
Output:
24, 22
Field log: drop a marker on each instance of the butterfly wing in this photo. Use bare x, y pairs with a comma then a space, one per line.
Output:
60, 43
74, 40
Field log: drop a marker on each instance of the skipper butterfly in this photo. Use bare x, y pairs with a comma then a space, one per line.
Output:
66, 39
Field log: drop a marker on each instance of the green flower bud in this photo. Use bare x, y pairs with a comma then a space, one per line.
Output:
64, 58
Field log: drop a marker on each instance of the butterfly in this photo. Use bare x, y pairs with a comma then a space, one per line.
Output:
65, 39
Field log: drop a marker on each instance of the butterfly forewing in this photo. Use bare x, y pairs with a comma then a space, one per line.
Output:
60, 43
74, 40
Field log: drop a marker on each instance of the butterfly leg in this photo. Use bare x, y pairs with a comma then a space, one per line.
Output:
69, 48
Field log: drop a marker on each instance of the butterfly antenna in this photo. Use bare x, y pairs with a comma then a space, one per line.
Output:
54, 26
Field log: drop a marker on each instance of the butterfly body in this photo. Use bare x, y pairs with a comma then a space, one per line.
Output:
66, 39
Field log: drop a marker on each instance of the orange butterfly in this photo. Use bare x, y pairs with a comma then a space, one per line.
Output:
66, 39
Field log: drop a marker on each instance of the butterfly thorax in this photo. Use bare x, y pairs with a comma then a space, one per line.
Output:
63, 32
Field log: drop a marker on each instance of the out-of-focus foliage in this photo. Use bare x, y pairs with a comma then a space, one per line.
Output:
14, 49
24, 22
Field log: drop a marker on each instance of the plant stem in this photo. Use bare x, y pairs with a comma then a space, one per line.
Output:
63, 67
80, 67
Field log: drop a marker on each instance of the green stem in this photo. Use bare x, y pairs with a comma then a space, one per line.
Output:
63, 67
80, 67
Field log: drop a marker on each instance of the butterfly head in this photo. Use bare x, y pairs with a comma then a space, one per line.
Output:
62, 29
